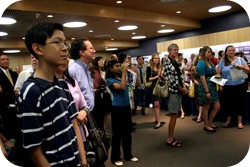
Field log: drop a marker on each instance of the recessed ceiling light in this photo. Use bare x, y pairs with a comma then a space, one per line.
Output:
178, 12
110, 49
112, 39
11, 51
91, 31
130, 27
138, 37
7, 21
50, 15
74, 24
72, 38
219, 9
162, 25
166, 31
133, 33
116, 21
3, 34
23, 38
118, 1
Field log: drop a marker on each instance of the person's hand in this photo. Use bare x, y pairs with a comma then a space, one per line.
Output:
82, 117
10, 144
239, 67
208, 95
184, 91
124, 66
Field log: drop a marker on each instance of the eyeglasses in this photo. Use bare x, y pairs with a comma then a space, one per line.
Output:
60, 44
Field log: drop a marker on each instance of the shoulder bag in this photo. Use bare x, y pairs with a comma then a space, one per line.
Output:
97, 140
149, 83
161, 88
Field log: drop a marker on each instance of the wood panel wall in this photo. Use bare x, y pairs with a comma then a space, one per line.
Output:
224, 37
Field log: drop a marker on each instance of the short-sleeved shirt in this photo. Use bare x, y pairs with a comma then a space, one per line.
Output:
22, 77
203, 70
120, 97
225, 70
45, 111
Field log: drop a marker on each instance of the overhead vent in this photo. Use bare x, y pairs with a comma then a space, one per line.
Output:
103, 36
170, 1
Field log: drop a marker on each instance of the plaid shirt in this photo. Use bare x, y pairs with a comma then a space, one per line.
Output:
171, 76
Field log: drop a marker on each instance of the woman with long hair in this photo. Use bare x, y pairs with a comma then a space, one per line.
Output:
102, 97
207, 92
152, 74
233, 90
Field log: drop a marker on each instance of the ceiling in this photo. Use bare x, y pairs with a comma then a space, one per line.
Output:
100, 15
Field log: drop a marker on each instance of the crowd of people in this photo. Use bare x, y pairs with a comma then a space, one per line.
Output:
51, 101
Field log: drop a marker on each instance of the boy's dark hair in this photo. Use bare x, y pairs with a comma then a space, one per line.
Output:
220, 53
122, 57
139, 57
76, 46
39, 33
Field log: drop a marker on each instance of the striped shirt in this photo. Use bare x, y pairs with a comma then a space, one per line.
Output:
45, 111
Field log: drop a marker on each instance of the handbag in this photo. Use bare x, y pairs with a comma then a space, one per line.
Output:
191, 92
149, 83
97, 140
161, 88
243, 74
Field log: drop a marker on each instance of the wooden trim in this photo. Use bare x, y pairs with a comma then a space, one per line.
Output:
218, 38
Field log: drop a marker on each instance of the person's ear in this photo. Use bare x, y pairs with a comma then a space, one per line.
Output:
81, 52
36, 48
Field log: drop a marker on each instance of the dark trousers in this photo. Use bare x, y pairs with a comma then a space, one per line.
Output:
121, 128
140, 94
234, 101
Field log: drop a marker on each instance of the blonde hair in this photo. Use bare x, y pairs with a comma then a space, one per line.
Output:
151, 64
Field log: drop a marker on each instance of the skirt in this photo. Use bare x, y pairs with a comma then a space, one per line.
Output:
202, 95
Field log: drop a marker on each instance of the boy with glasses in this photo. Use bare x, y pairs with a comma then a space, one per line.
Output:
46, 110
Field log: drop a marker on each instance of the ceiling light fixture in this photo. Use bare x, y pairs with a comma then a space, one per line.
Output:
129, 27
3, 34
138, 37
118, 1
11, 51
112, 39
166, 31
50, 15
7, 21
23, 38
219, 9
91, 31
74, 24
111, 49
178, 12
116, 21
